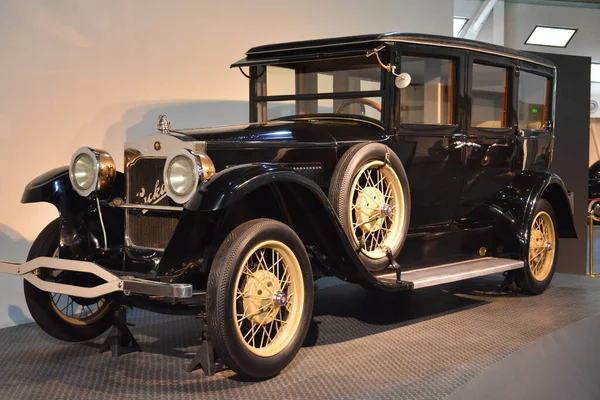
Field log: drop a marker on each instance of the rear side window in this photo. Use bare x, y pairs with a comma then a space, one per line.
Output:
533, 101
429, 99
489, 96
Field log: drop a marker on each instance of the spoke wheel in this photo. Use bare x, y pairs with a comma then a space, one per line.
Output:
542, 245
376, 209
78, 311
269, 298
370, 194
259, 298
71, 319
542, 252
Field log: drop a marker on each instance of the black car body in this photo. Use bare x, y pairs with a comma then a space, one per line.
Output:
594, 191
473, 131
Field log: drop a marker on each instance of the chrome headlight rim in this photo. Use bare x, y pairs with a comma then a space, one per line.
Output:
196, 174
203, 169
103, 174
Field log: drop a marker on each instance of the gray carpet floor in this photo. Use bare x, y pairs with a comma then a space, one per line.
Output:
422, 345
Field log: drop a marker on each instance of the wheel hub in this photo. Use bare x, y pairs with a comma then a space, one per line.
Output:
262, 294
280, 299
370, 208
537, 239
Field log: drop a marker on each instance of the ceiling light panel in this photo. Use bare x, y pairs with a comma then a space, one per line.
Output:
459, 23
550, 36
596, 72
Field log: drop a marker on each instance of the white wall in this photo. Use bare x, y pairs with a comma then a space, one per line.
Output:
99, 72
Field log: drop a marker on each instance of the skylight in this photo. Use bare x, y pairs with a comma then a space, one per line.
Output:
550, 36
459, 23
596, 72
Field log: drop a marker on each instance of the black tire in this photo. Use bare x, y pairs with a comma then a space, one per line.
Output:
525, 277
223, 283
40, 303
340, 190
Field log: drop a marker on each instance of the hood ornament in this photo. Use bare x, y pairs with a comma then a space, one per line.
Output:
163, 125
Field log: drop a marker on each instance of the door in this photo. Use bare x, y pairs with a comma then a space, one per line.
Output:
491, 156
427, 123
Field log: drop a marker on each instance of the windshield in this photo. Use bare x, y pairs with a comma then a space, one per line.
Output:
346, 86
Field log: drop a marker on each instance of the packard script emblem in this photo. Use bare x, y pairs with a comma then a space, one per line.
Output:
154, 197
157, 146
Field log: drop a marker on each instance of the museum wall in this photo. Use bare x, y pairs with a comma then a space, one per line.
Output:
572, 121
98, 73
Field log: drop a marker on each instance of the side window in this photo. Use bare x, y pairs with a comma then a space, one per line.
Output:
489, 96
533, 101
429, 99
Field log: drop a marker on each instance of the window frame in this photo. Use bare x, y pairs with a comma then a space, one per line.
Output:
548, 120
458, 58
510, 115
255, 99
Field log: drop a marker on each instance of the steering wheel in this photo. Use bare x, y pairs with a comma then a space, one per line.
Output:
364, 101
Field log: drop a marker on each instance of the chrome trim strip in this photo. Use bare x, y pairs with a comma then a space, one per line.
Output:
149, 207
113, 283
146, 146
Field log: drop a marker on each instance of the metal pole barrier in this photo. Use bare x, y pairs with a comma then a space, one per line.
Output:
591, 245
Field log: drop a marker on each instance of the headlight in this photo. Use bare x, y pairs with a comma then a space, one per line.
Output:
184, 170
91, 170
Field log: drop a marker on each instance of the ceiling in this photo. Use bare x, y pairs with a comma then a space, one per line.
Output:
561, 3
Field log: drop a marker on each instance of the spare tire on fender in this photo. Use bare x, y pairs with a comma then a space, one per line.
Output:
370, 193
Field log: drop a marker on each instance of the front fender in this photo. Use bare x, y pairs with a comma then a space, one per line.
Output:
80, 232
233, 184
301, 204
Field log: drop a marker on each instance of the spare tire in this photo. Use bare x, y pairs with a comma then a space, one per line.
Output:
369, 192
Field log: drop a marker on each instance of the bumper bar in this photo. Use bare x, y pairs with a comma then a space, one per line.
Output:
113, 283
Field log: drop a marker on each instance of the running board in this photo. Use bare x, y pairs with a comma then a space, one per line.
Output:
453, 272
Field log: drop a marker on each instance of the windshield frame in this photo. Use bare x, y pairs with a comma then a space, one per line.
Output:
256, 72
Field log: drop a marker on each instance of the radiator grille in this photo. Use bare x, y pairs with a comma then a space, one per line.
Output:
145, 186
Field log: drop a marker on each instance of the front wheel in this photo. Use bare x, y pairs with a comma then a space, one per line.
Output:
542, 254
259, 298
66, 318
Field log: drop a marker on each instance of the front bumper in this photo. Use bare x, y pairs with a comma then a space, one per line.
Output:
113, 283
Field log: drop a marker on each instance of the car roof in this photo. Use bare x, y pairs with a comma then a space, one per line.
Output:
348, 45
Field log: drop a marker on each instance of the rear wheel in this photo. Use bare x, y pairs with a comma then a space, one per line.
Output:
259, 298
540, 264
71, 319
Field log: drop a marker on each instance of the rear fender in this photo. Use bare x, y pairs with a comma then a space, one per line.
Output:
255, 191
80, 233
516, 206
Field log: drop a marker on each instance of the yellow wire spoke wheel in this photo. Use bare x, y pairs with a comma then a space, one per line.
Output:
376, 209
542, 246
259, 298
269, 298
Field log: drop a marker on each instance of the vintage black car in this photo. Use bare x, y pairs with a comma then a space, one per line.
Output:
594, 192
395, 161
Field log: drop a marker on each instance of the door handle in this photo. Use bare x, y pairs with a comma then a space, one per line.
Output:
459, 144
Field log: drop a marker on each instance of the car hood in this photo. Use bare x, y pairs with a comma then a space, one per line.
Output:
313, 132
